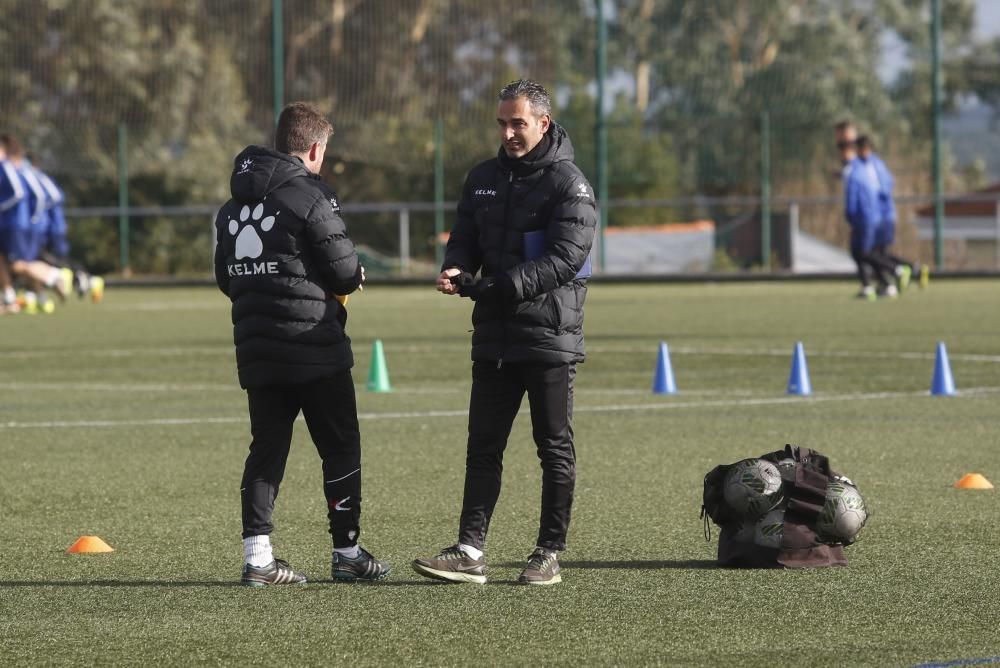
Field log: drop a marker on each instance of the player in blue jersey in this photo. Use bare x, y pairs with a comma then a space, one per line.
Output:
55, 243
13, 206
886, 236
862, 210
24, 230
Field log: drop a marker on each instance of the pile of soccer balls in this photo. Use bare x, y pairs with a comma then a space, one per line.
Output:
754, 490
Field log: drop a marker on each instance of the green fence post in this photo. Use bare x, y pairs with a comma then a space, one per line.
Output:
438, 190
278, 57
765, 191
936, 117
123, 236
601, 132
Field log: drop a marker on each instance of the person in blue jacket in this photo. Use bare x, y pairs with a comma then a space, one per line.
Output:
862, 210
886, 235
13, 206
55, 242
23, 229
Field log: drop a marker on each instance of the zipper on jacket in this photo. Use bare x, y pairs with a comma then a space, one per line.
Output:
506, 215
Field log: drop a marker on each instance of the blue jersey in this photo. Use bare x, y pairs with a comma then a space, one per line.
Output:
861, 206
54, 235
27, 231
13, 205
887, 207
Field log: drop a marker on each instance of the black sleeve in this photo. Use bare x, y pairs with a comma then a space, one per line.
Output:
221, 271
569, 235
330, 248
463, 249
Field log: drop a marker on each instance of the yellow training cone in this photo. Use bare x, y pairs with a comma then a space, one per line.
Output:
973, 481
89, 545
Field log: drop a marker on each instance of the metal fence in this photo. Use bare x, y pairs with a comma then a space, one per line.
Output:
399, 239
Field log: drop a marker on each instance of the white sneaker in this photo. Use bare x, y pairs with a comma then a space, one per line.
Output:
890, 292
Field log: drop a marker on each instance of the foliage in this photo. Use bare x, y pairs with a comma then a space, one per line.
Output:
689, 84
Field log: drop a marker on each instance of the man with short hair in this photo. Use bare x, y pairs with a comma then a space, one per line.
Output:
282, 255
526, 223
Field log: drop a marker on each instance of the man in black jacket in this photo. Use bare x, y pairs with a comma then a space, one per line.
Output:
525, 224
282, 256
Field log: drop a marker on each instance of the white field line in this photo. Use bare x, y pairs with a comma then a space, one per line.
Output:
404, 349
774, 352
449, 388
221, 306
608, 408
116, 387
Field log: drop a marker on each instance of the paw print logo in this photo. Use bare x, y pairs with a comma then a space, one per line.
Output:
248, 243
581, 190
245, 166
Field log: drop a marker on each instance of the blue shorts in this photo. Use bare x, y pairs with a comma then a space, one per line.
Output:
886, 233
24, 242
863, 239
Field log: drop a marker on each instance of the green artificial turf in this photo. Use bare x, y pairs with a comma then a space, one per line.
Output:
124, 420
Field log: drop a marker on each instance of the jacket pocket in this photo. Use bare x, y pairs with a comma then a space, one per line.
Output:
556, 309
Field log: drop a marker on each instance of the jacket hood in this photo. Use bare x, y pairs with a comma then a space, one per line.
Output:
258, 170
560, 149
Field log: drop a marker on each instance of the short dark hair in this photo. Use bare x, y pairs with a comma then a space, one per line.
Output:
300, 126
12, 146
843, 125
864, 142
538, 97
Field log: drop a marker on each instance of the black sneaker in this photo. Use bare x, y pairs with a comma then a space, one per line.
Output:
362, 567
542, 569
452, 565
278, 572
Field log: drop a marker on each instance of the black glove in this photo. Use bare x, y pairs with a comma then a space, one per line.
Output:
496, 289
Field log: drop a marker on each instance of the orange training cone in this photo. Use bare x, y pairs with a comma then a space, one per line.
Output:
89, 545
973, 481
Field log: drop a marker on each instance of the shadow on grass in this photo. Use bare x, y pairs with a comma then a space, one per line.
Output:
117, 583
633, 564
201, 583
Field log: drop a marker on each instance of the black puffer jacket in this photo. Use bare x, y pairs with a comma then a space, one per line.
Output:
540, 318
282, 253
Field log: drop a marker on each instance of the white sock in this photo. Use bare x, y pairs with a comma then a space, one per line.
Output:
471, 552
349, 552
257, 551
53, 277
9, 296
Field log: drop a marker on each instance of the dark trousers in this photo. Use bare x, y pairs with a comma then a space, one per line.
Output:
895, 260
871, 262
331, 415
496, 398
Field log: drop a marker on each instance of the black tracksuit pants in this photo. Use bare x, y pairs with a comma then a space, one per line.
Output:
496, 398
331, 415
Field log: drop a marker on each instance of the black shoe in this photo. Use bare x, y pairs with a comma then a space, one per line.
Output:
278, 572
362, 567
452, 565
542, 568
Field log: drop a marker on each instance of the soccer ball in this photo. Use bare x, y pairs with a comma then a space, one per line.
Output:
752, 487
844, 512
742, 532
768, 530
787, 468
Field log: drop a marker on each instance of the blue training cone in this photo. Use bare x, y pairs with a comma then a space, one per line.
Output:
798, 379
663, 380
942, 384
